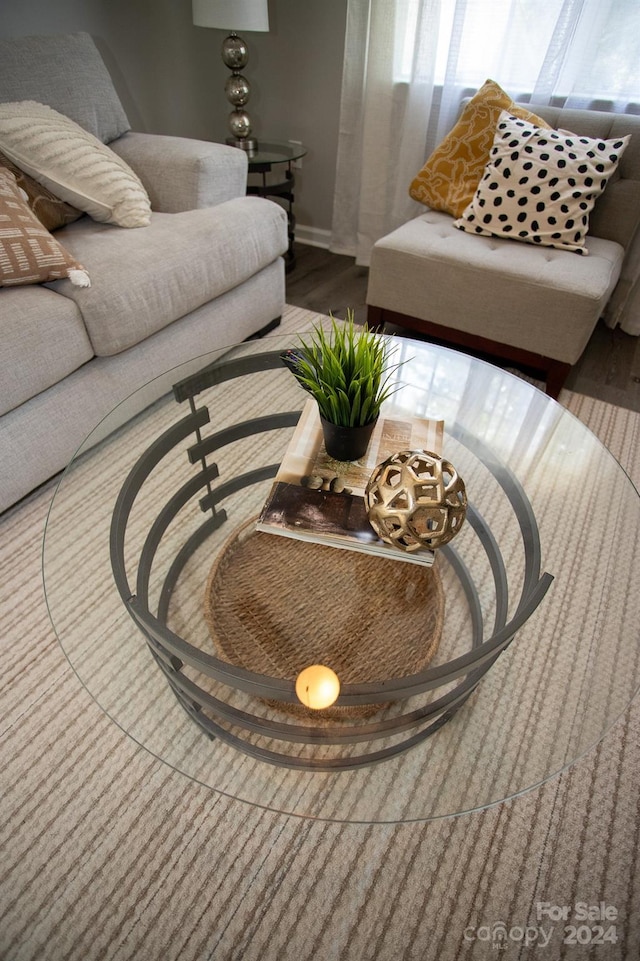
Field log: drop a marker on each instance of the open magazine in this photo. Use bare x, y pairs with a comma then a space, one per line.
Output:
318, 499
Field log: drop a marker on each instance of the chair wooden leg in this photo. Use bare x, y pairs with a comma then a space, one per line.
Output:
557, 373
375, 320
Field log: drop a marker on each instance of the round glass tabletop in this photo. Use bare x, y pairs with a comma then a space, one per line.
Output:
538, 654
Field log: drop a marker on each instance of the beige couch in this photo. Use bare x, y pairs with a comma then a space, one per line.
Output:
534, 306
206, 273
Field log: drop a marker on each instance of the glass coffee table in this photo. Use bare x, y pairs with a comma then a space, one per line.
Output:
538, 654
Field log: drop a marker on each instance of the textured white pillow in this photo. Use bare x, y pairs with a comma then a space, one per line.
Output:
540, 186
73, 164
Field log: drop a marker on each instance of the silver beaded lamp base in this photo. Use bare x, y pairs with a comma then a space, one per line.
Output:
246, 143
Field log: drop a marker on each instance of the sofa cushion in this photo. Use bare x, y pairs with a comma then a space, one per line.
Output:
549, 301
541, 185
49, 209
73, 164
450, 176
66, 72
43, 340
28, 252
143, 280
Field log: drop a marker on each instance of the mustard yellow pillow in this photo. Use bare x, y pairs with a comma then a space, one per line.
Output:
450, 177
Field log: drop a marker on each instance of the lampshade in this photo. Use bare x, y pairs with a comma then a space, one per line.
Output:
235, 15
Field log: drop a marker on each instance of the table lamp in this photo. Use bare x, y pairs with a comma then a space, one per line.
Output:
233, 15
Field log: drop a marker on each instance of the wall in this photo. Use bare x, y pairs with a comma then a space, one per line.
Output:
298, 71
170, 76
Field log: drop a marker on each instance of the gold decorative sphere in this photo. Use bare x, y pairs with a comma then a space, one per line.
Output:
415, 499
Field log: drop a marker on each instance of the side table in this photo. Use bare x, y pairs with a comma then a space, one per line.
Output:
262, 161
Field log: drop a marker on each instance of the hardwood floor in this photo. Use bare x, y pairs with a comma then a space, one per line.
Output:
324, 282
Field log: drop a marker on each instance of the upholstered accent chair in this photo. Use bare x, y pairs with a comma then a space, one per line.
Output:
530, 304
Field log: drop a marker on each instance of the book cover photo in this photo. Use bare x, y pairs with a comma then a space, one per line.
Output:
318, 499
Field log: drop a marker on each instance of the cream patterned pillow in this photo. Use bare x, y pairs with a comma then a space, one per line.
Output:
28, 252
540, 185
72, 164
450, 176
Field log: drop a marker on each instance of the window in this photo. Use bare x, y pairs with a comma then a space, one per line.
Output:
586, 48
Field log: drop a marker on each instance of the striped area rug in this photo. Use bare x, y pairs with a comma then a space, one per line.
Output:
106, 853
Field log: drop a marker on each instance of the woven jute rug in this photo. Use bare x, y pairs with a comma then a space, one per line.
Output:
363, 634
107, 854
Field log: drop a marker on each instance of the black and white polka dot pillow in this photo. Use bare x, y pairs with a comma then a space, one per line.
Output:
540, 186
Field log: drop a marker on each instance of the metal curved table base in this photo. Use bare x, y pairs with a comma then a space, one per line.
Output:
173, 653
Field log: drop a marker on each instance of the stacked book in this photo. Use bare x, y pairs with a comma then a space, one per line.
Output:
317, 499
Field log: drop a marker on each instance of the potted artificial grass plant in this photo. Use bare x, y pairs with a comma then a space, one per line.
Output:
347, 371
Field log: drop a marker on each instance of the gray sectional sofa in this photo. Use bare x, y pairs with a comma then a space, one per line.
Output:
206, 273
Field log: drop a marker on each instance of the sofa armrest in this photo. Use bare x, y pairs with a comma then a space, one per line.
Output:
182, 174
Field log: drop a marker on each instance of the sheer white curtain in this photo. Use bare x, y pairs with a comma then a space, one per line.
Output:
409, 63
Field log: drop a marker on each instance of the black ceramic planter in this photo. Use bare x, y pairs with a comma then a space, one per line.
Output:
346, 443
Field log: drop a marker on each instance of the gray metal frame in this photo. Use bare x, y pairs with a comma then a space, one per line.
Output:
173, 652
